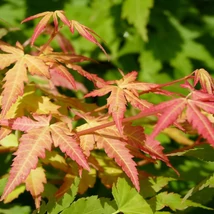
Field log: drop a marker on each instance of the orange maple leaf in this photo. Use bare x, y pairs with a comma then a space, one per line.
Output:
72, 24
33, 144
112, 142
17, 75
123, 91
46, 16
35, 184
195, 104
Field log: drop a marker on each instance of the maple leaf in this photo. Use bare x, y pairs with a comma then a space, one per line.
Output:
17, 75
115, 147
44, 21
32, 146
200, 121
109, 171
196, 104
59, 80
136, 137
39, 137
49, 56
4, 131
87, 142
64, 43
98, 82
24, 123
86, 33
35, 184
126, 89
117, 106
169, 114
55, 61
61, 71
205, 79
67, 182
72, 24
61, 137
87, 180
56, 160
112, 142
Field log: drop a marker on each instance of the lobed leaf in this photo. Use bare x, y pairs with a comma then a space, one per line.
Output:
14, 85
35, 184
135, 101
205, 79
36, 16
115, 147
98, 82
117, 106
63, 138
137, 13
56, 160
56, 206
10, 49
40, 27
135, 135
169, 116
208, 182
85, 206
127, 79
174, 202
32, 146
128, 200
44, 21
36, 66
4, 132
7, 59
61, 15
24, 123
206, 106
61, 71
86, 33
200, 122
87, 142
202, 96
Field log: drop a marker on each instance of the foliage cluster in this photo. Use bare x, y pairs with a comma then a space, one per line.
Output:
75, 132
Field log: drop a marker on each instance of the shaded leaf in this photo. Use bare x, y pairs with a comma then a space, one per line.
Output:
115, 147
56, 160
15, 193
208, 182
35, 184
173, 201
128, 200
137, 13
59, 71
85, 206
55, 207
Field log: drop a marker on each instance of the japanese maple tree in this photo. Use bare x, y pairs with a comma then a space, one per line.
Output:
52, 120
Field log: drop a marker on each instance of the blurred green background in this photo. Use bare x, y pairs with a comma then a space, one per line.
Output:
162, 39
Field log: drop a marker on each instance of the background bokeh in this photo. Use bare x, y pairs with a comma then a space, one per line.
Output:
161, 39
